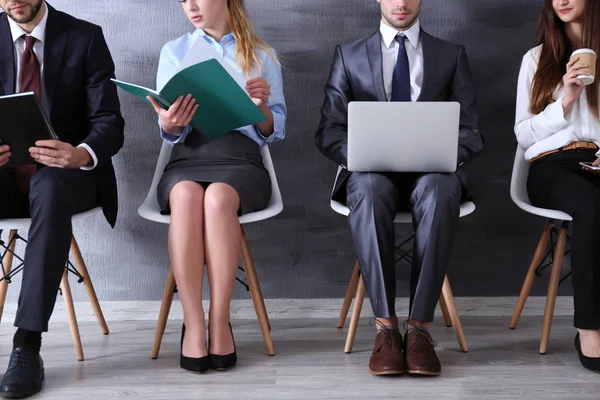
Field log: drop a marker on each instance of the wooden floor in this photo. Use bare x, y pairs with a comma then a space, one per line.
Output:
310, 364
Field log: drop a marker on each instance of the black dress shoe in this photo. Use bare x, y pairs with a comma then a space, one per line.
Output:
591, 363
225, 362
24, 375
197, 365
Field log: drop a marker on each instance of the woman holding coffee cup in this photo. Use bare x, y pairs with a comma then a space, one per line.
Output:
558, 123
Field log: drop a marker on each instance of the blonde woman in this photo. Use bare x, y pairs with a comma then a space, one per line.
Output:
209, 183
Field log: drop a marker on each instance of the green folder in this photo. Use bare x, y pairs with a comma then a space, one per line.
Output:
223, 105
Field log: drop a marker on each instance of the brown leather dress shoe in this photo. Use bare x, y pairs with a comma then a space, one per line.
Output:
419, 349
387, 358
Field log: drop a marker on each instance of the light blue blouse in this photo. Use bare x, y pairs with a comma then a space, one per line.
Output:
175, 51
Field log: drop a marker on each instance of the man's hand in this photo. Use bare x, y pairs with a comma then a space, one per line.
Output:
4, 155
54, 153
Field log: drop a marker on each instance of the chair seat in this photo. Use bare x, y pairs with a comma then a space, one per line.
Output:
150, 210
518, 190
23, 223
543, 212
466, 208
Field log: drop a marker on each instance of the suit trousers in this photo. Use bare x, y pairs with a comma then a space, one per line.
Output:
374, 199
558, 182
55, 196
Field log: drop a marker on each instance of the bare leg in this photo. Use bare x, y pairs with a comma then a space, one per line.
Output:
388, 321
186, 248
222, 241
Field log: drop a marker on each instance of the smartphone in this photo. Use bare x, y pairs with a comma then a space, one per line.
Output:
588, 165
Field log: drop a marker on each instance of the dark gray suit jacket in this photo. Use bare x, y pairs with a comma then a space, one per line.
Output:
357, 75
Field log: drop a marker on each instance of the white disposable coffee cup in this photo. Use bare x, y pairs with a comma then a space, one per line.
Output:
589, 57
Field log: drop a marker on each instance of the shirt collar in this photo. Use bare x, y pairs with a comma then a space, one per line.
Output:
224, 40
388, 34
39, 32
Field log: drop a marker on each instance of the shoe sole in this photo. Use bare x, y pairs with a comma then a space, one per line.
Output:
392, 372
23, 395
423, 372
223, 369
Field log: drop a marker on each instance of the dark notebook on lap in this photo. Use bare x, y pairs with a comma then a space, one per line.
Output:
22, 123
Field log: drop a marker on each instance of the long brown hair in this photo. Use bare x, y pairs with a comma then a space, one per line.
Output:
247, 41
556, 50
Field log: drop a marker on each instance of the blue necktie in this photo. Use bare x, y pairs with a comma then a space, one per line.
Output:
401, 80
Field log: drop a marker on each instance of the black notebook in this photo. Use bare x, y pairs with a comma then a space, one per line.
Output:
22, 123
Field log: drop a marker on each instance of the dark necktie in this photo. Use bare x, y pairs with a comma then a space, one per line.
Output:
30, 81
401, 80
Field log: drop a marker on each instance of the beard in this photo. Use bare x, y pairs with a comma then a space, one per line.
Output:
27, 17
401, 24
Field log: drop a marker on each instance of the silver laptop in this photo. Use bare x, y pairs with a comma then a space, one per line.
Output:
403, 136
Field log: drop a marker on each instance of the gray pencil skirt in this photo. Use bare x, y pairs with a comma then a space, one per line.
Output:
233, 159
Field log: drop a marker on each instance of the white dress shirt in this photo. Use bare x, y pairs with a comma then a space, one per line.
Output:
551, 129
414, 50
39, 32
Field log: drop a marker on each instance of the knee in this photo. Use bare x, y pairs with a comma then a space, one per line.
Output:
438, 190
221, 199
588, 208
367, 189
49, 190
186, 195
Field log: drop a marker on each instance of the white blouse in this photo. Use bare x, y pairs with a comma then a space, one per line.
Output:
551, 129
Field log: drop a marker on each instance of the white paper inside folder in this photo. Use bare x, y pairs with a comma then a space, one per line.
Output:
202, 51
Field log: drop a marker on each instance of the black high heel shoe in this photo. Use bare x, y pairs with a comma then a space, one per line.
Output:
223, 363
197, 365
591, 363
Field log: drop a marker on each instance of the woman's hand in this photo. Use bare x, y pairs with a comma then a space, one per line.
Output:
178, 116
594, 164
573, 86
259, 90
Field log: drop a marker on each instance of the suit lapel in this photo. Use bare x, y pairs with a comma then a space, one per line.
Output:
54, 47
429, 64
374, 55
7, 57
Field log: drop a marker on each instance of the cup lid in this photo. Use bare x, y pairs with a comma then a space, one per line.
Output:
583, 51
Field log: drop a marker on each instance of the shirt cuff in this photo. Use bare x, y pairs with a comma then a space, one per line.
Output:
92, 154
175, 139
265, 138
556, 118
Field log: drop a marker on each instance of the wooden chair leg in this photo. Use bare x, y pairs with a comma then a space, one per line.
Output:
445, 313
163, 316
530, 278
553, 287
449, 299
349, 295
8, 260
68, 299
87, 284
257, 296
358, 303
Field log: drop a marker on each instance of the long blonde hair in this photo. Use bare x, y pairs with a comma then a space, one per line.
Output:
247, 41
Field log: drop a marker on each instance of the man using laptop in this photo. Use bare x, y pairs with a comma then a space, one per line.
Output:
400, 62
67, 64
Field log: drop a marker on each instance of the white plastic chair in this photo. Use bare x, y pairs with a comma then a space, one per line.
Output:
150, 210
356, 287
518, 193
14, 225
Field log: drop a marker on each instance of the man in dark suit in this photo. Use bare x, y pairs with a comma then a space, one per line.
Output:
66, 62
400, 62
